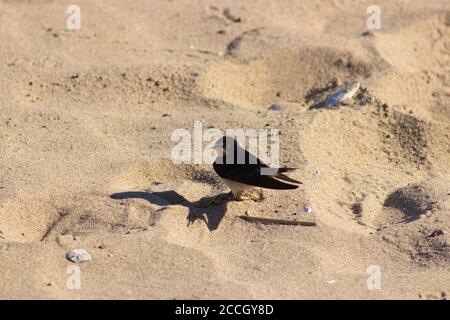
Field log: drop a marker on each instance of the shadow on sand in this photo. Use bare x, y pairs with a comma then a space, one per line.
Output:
212, 215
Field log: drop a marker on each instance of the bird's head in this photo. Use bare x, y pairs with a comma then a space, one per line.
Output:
224, 144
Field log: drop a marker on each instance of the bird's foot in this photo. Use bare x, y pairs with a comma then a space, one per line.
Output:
254, 194
214, 200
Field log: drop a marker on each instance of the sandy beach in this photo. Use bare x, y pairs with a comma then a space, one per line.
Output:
87, 116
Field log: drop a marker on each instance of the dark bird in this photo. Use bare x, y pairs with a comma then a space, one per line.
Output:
241, 171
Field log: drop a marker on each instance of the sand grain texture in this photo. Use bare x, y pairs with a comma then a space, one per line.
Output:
85, 126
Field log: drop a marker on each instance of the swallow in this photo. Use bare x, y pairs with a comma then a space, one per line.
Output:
241, 171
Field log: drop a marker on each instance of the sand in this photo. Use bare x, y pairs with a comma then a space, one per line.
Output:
86, 120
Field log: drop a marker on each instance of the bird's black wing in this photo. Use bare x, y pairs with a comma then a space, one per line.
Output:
250, 172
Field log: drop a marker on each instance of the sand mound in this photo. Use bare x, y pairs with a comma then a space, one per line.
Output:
382, 138
412, 140
80, 214
408, 139
418, 78
163, 174
283, 77
428, 37
108, 86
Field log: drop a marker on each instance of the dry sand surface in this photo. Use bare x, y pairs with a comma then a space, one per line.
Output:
85, 126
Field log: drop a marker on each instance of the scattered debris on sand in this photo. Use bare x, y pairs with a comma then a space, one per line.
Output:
277, 221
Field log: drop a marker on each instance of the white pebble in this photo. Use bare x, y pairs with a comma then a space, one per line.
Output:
78, 255
307, 209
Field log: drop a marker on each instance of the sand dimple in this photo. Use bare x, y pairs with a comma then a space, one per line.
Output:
412, 201
416, 201
423, 230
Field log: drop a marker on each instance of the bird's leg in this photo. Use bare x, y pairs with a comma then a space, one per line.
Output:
238, 197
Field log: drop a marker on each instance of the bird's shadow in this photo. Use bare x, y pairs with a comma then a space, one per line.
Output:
211, 215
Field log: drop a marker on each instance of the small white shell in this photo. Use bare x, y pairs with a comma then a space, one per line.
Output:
78, 255
351, 91
343, 95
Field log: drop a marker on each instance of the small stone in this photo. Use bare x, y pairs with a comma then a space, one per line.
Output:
367, 33
74, 76
308, 210
78, 255
276, 107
